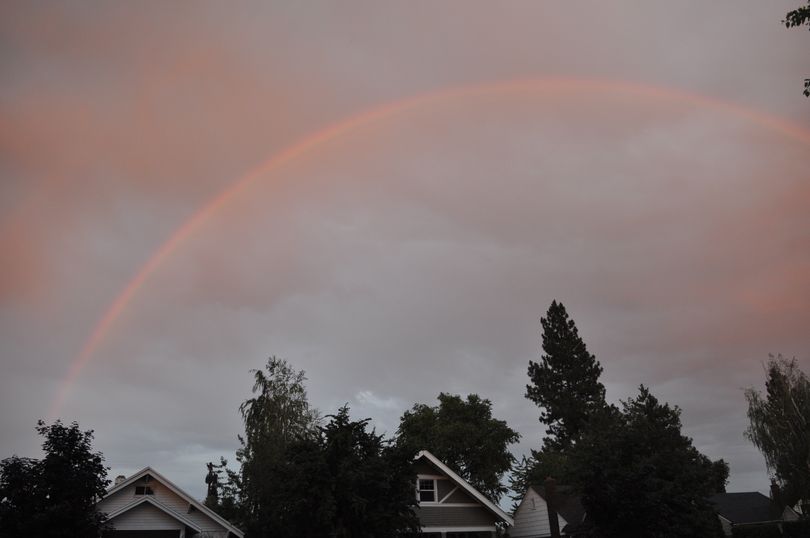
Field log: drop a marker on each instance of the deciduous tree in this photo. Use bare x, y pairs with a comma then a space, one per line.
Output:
465, 436
780, 427
55, 496
799, 17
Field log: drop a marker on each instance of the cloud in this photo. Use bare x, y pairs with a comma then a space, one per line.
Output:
410, 256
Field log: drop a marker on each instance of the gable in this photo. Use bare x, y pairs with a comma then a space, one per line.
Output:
145, 516
531, 517
161, 495
449, 485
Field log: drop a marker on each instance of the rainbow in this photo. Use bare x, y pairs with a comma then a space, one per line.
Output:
369, 117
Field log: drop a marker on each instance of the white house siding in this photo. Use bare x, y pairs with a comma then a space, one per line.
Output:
166, 497
145, 517
531, 520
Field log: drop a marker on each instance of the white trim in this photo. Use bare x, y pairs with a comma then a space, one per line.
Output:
431, 476
466, 486
160, 506
453, 505
446, 496
182, 494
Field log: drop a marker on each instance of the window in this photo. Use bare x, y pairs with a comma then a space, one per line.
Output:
143, 490
426, 490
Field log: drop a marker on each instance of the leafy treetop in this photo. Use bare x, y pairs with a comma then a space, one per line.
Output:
54, 496
465, 436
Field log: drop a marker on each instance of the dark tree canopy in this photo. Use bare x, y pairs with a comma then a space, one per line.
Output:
565, 383
55, 496
345, 481
300, 479
780, 427
465, 436
639, 476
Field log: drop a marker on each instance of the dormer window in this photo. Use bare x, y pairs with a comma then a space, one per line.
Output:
426, 490
143, 490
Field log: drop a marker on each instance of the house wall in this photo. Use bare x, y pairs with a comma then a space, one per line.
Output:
167, 498
146, 517
531, 517
455, 516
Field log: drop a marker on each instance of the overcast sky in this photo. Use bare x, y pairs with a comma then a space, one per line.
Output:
650, 172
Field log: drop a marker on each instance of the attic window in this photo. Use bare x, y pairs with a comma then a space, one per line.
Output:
427, 490
143, 490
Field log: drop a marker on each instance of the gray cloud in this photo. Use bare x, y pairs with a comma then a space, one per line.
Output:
411, 255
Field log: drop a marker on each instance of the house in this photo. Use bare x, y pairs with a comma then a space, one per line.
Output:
749, 509
532, 514
448, 506
147, 505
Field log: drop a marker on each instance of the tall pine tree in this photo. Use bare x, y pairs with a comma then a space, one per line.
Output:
565, 383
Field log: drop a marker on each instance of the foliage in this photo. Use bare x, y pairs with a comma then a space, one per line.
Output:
639, 476
345, 481
565, 384
799, 17
277, 415
780, 427
298, 478
465, 436
54, 496
540, 465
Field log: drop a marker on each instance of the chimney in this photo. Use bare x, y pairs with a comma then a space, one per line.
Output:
119, 479
776, 494
551, 503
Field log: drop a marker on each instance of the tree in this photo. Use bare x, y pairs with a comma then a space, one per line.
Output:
639, 476
780, 427
277, 415
465, 436
54, 496
300, 479
372, 481
799, 17
565, 384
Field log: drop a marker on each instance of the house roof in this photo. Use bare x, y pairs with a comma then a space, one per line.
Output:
179, 492
744, 508
492, 507
566, 503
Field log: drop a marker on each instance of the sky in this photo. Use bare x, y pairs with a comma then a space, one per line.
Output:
389, 195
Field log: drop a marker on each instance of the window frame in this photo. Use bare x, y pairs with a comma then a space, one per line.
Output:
419, 490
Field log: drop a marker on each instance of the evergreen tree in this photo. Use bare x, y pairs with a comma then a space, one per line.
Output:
565, 383
465, 436
640, 477
56, 496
